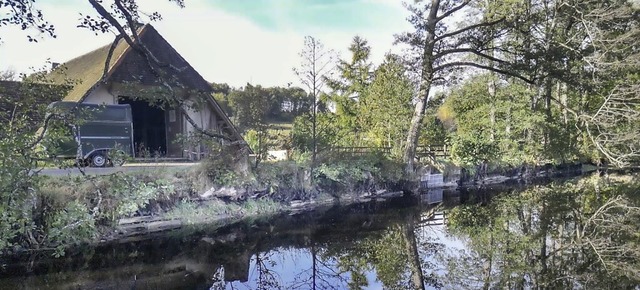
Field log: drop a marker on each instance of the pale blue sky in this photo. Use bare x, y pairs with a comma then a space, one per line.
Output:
232, 41
342, 15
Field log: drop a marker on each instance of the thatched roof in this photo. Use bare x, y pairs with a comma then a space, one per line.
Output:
86, 70
127, 65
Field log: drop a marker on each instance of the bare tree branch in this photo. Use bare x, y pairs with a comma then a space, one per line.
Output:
468, 28
484, 67
453, 10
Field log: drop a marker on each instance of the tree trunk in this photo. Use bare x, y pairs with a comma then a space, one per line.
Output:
414, 130
491, 89
314, 133
259, 155
507, 129
314, 270
492, 112
314, 122
562, 94
426, 79
548, 89
417, 278
487, 266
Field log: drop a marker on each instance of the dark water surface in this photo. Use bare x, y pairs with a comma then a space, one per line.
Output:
500, 238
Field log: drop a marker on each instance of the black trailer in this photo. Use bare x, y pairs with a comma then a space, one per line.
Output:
100, 134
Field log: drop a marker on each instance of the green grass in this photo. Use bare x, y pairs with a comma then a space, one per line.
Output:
56, 163
281, 126
194, 212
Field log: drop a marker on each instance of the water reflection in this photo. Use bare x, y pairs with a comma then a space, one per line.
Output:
582, 234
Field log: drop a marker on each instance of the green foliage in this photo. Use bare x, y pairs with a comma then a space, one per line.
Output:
582, 232
9, 227
390, 257
204, 212
344, 172
284, 175
255, 108
70, 225
354, 75
433, 131
363, 173
216, 170
264, 206
27, 218
192, 212
136, 195
549, 82
251, 136
371, 108
503, 128
471, 150
250, 106
254, 104
328, 133
347, 90
265, 139
385, 108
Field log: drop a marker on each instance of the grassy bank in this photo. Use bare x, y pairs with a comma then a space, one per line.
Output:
60, 212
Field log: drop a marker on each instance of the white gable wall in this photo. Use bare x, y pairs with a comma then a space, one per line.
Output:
100, 96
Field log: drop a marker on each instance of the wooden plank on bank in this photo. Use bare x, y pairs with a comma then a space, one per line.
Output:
142, 219
146, 225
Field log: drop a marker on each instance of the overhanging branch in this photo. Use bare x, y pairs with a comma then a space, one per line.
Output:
109, 56
468, 50
481, 66
453, 10
104, 13
468, 28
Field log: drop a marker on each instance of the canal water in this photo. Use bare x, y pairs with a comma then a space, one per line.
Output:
577, 234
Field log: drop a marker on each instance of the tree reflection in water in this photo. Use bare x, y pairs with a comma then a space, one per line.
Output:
576, 234
579, 234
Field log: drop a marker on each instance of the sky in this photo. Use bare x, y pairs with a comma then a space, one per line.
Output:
226, 41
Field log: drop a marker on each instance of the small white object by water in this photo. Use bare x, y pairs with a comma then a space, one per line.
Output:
432, 180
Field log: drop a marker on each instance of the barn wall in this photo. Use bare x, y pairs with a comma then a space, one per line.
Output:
176, 124
203, 119
101, 96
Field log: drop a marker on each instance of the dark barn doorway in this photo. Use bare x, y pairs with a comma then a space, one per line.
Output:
149, 128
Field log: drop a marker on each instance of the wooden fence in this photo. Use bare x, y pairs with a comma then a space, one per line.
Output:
431, 151
358, 150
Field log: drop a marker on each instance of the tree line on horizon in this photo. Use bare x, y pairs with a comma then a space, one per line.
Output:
512, 82
521, 81
516, 82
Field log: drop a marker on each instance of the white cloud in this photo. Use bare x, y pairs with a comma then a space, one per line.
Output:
223, 47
